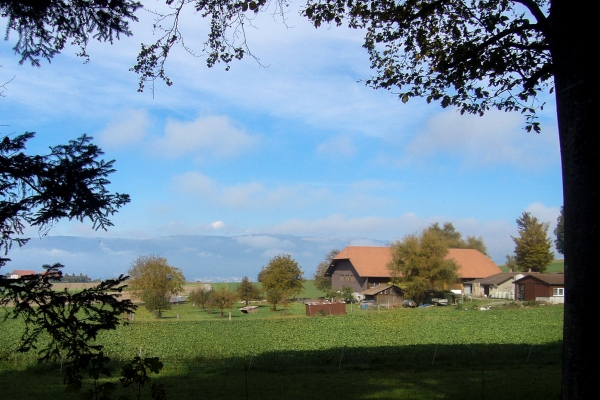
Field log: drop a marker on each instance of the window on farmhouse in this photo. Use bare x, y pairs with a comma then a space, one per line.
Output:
558, 292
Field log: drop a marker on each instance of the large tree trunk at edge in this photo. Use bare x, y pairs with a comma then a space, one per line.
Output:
577, 99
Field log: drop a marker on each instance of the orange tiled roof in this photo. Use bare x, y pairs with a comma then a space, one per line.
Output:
473, 264
23, 272
373, 261
367, 260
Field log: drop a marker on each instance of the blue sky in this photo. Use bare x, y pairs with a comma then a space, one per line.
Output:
297, 147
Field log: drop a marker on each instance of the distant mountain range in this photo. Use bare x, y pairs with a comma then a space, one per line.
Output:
201, 258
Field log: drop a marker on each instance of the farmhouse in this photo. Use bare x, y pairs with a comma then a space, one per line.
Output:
541, 287
498, 286
17, 273
366, 267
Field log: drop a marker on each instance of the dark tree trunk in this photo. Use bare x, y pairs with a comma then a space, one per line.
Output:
577, 100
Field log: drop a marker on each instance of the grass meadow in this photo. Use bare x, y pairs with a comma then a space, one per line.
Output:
508, 352
554, 266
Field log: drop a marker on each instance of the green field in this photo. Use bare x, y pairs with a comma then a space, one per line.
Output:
554, 266
427, 353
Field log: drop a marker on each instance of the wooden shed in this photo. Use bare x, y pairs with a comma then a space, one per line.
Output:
390, 295
541, 287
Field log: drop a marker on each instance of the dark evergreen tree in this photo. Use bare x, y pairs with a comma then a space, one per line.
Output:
532, 247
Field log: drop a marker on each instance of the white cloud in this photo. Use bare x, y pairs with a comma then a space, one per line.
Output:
127, 128
543, 213
496, 138
208, 137
218, 224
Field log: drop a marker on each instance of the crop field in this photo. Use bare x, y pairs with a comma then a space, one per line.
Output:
403, 353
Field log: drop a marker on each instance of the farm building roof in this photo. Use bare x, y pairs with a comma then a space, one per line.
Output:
23, 272
377, 289
367, 260
373, 261
550, 279
500, 278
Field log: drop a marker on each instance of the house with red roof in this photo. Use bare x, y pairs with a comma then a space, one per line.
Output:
17, 273
365, 267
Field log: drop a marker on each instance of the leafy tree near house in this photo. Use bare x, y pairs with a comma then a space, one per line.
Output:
419, 263
322, 282
559, 232
247, 291
154, 281
454, 239
532, 246
282, 279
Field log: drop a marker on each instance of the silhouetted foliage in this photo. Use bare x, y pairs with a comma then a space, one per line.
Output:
39, 190
43, 28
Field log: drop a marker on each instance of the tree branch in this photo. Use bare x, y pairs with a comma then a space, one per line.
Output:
534, 9
492, 40
530, 82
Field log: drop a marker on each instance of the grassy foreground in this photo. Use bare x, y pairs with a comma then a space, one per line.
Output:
397, 354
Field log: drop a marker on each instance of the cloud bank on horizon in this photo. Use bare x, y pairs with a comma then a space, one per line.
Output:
295, 146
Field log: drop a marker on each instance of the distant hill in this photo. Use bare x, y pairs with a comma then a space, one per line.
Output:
554, 266
203, 258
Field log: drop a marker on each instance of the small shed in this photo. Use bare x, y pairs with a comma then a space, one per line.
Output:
177, 299
541, 287
390, 295
498, 286
325, 308
249, 310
